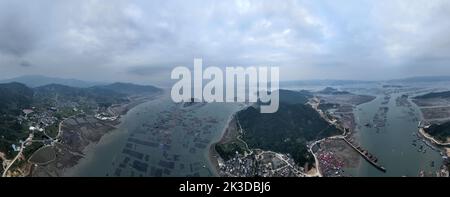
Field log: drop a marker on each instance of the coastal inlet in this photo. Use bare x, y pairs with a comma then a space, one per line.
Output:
161, 138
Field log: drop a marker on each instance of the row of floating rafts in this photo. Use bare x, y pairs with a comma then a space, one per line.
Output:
367, 154
373, 158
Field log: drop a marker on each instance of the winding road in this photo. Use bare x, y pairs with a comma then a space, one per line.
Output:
22, 147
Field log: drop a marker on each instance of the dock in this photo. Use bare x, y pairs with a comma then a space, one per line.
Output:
366, 155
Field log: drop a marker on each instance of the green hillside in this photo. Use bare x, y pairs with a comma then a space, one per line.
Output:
440, 131
286, 131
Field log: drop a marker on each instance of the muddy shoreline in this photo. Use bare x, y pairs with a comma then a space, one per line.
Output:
227, 132
71, 151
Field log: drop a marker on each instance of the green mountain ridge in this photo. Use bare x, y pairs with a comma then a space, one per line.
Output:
13, 97
34, 81
16, 96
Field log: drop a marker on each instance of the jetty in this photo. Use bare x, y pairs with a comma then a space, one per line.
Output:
366, 155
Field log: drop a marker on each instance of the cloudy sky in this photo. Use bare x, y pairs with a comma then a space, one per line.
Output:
142, 40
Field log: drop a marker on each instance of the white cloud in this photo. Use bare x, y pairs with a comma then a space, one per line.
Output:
344, 38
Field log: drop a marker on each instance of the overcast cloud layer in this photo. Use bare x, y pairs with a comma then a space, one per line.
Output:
141, 40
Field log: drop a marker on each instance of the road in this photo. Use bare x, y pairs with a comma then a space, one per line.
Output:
22, 147
426, 135
30, 139
315, 102
315, 156
241, 132
61, 123
434, 106
280, 157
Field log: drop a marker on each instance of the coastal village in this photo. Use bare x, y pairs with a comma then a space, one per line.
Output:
45, 126
57, 130
57, 135
335, 154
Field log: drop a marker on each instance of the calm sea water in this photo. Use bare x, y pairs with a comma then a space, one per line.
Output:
174, 141
394, 143
159, 138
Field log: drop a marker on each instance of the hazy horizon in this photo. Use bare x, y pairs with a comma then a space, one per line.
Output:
168, 84
141, 41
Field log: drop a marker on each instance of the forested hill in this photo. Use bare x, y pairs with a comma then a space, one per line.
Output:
13, 97
288, 130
